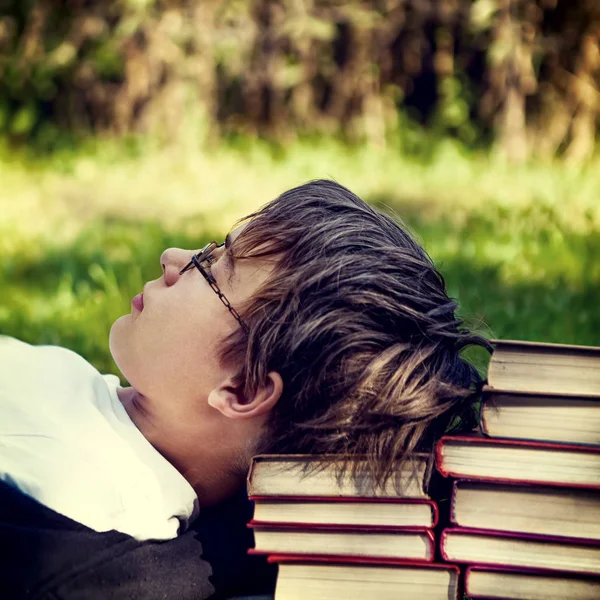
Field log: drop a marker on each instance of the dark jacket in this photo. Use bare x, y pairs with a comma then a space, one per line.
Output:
46, 556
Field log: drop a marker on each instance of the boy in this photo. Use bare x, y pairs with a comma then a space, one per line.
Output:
319, 326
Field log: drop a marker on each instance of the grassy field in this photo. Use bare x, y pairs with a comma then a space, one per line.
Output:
81, 232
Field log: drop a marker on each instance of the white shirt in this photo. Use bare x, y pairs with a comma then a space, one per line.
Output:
67, 441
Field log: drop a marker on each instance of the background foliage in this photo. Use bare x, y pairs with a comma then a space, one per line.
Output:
524, 73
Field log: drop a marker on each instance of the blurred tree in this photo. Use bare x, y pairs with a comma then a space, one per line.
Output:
566, 112
525, 71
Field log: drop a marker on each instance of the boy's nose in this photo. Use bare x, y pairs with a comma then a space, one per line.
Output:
172, 260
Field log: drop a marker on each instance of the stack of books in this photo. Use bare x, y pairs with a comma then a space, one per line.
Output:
340, 537
525, 506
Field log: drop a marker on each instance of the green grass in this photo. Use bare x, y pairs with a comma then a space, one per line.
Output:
82, 231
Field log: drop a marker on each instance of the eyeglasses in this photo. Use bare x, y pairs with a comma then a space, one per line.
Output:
206, 256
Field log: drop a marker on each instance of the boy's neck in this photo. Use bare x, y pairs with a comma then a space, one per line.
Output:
212, 467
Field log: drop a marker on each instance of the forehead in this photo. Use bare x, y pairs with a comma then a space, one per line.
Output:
234, 233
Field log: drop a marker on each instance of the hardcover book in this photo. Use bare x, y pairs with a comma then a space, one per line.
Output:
385, 542
563, 512
335, 577
398, 512
502, 584
545, 368
552, 418
475, 457
501, 549
316, 475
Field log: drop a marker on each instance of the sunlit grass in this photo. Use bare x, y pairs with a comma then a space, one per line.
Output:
225, 182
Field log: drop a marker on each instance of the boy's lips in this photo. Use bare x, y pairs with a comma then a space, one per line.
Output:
138, 302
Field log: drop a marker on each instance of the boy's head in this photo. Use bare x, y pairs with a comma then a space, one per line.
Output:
352, 344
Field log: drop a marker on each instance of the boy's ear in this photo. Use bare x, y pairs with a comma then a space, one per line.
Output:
228, 398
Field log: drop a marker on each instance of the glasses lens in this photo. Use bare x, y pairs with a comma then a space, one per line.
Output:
206, 252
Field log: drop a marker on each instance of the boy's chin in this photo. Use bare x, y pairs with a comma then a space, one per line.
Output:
116, 338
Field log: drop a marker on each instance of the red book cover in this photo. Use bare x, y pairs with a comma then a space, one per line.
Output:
488, 390
358, 560
335, 527
508, 443
370, 560
346, 499
563, 541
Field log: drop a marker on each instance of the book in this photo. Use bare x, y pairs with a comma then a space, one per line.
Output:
384, 542
345, 511
310, 578
563, 512
545, 368
287, 475
501, 584
552, 418
501, 549
475, 457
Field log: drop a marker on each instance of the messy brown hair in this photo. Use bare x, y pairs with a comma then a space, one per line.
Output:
357, 321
